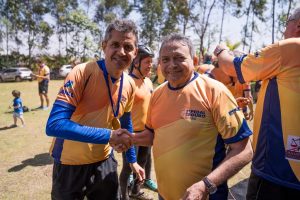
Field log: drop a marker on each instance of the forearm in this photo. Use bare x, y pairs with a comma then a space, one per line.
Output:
144, 138
59, 125
225, 61
234, 161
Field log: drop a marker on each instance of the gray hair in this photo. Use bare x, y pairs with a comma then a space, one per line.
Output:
178, 38
295, 15
121, 25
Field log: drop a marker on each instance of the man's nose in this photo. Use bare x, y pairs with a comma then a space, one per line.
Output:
122, 50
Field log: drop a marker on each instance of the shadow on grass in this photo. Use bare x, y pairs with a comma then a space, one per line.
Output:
238, 191
37, 160
7, 127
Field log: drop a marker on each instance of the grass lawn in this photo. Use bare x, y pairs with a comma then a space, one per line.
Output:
25, 165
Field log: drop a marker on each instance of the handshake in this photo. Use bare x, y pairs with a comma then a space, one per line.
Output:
121, 140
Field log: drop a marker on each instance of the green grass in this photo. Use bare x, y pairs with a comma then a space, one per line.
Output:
25, 165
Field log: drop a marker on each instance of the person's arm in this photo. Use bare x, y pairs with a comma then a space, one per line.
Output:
60, 125
144, 138
126, 123
239, 155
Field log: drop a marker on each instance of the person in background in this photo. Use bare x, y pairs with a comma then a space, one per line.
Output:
43, 78
276, 140
18, 108
140, 70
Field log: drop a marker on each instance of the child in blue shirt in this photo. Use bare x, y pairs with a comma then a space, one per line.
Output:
18, 108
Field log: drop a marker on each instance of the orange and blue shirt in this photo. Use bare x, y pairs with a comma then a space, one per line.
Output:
276, 122
81, 118
144, 89
191, 126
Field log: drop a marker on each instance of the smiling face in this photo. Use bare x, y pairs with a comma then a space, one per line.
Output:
120, 49
176, 63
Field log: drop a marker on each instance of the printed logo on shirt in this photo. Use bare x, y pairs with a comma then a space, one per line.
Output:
69, 84
65, 92
193, 114
292, 151
233, 111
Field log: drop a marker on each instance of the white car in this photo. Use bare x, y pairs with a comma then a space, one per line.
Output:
65, 70
16, 74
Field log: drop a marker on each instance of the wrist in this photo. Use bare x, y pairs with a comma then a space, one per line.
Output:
210, 187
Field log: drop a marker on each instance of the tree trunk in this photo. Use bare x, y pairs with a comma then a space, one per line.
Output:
289, 8
273, 21
222, 21
246, 26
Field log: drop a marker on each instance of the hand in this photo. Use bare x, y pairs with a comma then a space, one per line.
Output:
120, 140
196, 192
251, 111
33, 75
219, 47
140, 172
243, 102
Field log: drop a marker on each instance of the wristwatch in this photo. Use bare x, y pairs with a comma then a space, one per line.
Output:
211, 187
219, 51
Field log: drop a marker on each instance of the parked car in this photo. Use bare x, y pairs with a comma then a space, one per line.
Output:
16, 74
65, 70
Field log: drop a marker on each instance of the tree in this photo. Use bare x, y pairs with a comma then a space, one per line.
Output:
38, 31
152, 12
60, 10
201, 21
79, 23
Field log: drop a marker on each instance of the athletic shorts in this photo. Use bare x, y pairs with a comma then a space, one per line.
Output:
43, 87
261, 189
94, 181
15, 114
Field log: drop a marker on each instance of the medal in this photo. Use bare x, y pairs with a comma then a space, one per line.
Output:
116, 124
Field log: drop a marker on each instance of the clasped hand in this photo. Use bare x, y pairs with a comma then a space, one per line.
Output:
121, 140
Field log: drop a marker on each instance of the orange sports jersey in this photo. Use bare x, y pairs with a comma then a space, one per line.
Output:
276, 122
144, 88
85, 88
191, 126
43, 72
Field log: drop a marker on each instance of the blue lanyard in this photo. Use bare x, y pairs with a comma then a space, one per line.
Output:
101, 63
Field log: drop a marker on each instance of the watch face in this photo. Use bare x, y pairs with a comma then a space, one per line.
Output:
212, 189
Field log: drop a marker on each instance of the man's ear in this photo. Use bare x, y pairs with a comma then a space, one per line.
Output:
104, 44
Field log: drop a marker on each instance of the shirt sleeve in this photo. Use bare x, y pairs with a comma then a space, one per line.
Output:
228, 117
72, 90
260, 65
59, 125
126, 123
148, 124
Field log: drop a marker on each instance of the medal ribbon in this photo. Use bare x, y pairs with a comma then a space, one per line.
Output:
101, 63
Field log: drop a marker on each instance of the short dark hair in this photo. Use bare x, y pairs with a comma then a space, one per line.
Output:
16, 93
121, 25
180, 38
